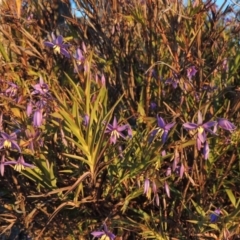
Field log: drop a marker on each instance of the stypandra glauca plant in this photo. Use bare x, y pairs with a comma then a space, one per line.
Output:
128, 115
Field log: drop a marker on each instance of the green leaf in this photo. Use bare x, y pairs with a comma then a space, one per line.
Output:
131, 196
76, 157
198, 208
231, 196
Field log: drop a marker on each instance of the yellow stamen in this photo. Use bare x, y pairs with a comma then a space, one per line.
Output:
200, 129
115, 133
7, 144
56, 49
19, 167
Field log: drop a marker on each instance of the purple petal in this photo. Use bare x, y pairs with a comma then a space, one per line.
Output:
225, 124
153, 105
65, 52
208, 125
190, 126
176, 159
169, 126
129, 130
167, 190
15, 145
105, 228
49, 44
157, 200
113, 139
122, 135
191, 72
122, 128
59, 40
115, 124
37, 118
206, 151
215, 128
164, 136
199, 144
109, 128
84, 47
111, 235
201, 137
175, 84
98, 233
28, 165
214, 216
154, 187
182, 170
86, 120
65, 45
103, 80
5, 136
10, 163
146, 185
53, 36
161, 122
2, 168
211, 131
79, 55
29, 109
152, 135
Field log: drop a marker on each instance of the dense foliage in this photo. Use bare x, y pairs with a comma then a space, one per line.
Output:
121, 123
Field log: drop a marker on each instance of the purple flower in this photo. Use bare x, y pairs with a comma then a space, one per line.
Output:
168, 172
30, 17
153, 105
29, 109
2, 165
201, 128
154, 187
182, 170
157, 200
120, 150
191, 72
225, 124
129, 131
32, 136
9, 141
12, 90
172, 81
209, 88
37, 118
206, 150
146, 186
155, 192
101, 78
20, 164
163, 153
86, 120
225, 65
116, 131
214, 216
58, 45
40, 88
161, 126
84, 47
104, 233
176, 159
147, 190
80, 60
167, 190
